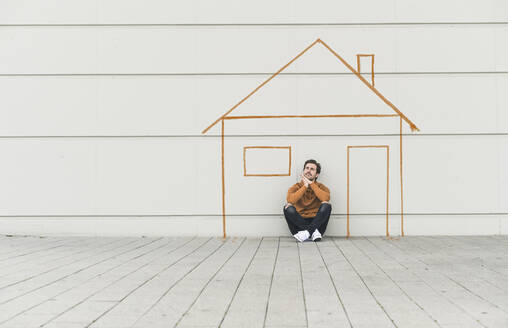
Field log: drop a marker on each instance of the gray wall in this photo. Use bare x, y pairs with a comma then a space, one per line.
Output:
103, 104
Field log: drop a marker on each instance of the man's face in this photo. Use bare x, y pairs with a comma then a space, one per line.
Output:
309, 171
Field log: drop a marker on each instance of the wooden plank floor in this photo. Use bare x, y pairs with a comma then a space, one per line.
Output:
374, 282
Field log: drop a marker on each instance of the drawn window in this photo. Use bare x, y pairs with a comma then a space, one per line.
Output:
266, 161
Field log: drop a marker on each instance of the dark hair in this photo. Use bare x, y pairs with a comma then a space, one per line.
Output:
313, 161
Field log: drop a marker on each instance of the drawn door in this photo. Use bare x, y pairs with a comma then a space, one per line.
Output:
368, 190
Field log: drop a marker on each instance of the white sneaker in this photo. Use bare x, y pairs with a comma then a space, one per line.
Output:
302, 235
316, 236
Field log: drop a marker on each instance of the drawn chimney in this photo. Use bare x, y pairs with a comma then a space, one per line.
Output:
368, 66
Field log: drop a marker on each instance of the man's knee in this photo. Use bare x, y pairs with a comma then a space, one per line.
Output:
289, 208
325, 207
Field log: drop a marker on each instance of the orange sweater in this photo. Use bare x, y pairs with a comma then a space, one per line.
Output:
307, 200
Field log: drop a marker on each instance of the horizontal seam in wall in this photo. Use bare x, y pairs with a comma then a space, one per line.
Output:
238, 74
249, 24
236, 215
261, 136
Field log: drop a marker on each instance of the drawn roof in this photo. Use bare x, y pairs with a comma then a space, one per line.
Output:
348, 66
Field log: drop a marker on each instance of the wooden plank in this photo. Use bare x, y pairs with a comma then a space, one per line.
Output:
376, 282
185, 282
131, 299
480, 252
249, 304
467, 269
286, 305
361, 305
324, 306
491, 251
441, 310
43, 263
481, 310
23, 281
112, 278
44, 308
15, 297
401, 308
13, 244
209, 308
23, 253
26, 296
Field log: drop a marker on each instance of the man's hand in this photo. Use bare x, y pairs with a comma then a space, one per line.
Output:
287, 205
306, 181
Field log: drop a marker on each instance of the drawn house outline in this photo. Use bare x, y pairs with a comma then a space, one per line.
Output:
401, 116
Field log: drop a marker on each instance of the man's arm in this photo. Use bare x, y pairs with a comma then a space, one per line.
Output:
322, 193
295, 193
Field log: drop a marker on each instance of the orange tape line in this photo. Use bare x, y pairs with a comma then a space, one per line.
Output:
244, 162
368, 146
262, 84
223, 185
387, 187
269, 147
411, 124
372, 70
266, 175
308, 116
401, 185
358, 63
289, 172
348, 191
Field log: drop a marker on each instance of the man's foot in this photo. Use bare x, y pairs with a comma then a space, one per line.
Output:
316, 235
302, 235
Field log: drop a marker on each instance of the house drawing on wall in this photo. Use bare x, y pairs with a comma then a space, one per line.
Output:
392, 113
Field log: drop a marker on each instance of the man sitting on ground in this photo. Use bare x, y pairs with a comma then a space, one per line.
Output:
308, 209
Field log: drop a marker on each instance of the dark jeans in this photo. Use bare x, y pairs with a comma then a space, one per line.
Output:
297, 223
